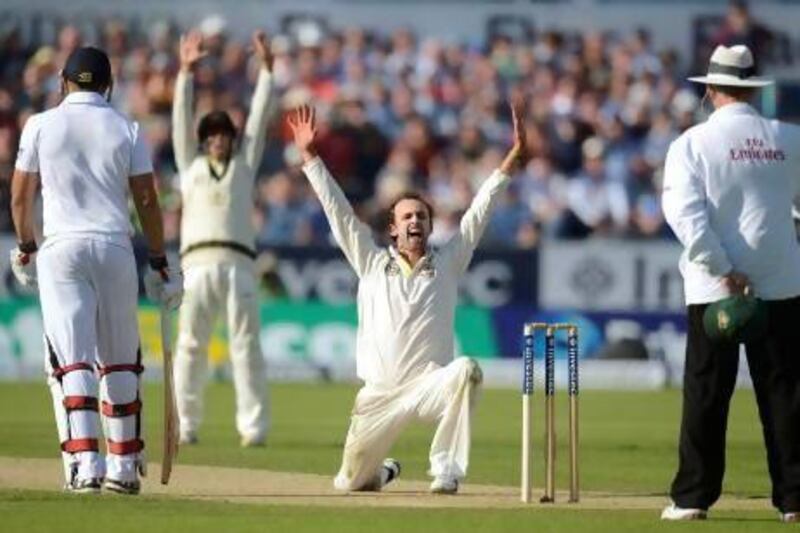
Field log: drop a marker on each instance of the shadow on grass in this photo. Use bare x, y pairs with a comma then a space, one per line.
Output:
735, 519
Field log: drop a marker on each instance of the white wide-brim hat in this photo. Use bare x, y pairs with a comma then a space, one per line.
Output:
733, 67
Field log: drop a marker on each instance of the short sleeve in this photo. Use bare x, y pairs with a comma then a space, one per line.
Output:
28, 152
141, 163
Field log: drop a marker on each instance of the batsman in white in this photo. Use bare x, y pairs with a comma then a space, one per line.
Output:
407, 295
218, 246
87, 156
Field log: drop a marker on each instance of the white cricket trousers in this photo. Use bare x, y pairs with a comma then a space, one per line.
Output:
230, 287
444, 394
88, 290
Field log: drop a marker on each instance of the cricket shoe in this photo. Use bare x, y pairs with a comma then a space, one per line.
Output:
90, 485
123, 487
790, 517
253, 441
188, 439
673, 512
444, 485
390, 471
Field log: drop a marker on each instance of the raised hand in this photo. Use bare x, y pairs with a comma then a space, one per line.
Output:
302, 121
518, 120
191, 49
518, 153
261, 48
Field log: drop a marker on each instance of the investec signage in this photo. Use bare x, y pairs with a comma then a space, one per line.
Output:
610, 275
494, 278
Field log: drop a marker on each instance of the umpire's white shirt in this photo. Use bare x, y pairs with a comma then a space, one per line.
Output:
729, 185
405, 315
84, 151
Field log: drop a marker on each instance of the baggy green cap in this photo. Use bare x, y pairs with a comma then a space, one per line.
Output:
738, 319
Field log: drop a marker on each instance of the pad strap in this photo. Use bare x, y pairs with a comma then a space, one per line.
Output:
126, 447
80, 403
122, 409
135, 368
59, 371
79, 445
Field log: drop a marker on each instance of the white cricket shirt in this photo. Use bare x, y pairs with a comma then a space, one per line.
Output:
84, 151
405, 316
729, 186
217, 210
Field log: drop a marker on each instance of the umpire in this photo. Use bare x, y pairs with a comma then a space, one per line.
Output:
728, 189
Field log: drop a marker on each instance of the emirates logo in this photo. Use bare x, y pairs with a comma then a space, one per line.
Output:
756, 149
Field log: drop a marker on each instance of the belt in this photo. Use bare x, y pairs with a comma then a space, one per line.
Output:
231, 245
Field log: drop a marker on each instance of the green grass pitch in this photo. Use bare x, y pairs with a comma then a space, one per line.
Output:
628, 445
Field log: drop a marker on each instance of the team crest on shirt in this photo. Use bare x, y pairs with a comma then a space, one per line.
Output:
218, 198
426, 269
392, 268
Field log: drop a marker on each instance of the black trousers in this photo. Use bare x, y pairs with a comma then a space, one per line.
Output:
709, 380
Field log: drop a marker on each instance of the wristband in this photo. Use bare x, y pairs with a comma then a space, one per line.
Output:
157, 262
27, 247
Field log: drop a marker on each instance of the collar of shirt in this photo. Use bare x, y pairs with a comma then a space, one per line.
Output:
218, 168
85, 97
406, 268
738, 108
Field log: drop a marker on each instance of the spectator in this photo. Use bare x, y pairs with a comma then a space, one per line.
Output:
510, 219
545, 190
8, 153
740, 28
405, 110
595, 205
286, 219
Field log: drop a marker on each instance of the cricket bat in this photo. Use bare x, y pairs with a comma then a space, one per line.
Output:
171, 423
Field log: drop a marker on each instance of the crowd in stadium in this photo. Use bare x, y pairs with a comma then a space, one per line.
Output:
403, 111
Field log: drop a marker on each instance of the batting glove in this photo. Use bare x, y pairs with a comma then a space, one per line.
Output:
23, 264
163, 284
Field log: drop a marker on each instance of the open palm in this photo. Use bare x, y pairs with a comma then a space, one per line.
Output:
518, 121
304, 128
261, 48
191, 49
517, 155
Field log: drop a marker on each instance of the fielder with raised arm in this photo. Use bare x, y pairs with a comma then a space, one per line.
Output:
87, 156
407, 296
218, 246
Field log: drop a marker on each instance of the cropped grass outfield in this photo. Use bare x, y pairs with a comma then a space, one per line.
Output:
628, 445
